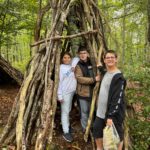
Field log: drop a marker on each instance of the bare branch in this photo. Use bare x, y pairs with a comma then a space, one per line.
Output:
64, 37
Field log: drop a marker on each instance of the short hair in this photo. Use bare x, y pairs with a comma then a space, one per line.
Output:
82, 48
112, 52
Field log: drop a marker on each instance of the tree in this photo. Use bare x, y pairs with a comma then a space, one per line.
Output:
38, 26
15, 20
148, 33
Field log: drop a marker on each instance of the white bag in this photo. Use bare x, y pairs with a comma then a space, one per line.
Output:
110, 138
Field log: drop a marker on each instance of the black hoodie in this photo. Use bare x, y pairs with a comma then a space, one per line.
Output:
116, 98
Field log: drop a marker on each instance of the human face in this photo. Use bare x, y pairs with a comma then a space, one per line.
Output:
66, 59
83, 55
110, 60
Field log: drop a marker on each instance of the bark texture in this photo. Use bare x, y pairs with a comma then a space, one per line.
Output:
11, 71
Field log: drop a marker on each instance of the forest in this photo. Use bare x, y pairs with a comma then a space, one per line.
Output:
34, 33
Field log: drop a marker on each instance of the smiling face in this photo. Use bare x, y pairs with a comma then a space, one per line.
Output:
83, 55
66, 59
110, 60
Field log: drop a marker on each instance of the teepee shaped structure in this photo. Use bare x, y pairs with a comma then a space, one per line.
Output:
32, 118
9, 73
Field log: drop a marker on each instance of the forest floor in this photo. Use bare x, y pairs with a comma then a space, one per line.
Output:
7, 97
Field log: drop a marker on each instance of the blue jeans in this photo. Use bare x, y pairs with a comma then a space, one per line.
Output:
65, 110
85, 110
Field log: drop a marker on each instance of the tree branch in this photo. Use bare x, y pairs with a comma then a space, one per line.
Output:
122, 16
64, 37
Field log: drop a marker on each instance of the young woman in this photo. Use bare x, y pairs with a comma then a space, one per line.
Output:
66, 90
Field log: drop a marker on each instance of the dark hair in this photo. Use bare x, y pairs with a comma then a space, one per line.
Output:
110, 51
63, 54
82, 48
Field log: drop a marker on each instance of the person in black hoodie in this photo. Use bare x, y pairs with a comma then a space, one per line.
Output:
111, 100
85, 84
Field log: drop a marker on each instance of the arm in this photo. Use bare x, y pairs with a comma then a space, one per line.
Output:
74, 62
59, 92
117, 98
81, 79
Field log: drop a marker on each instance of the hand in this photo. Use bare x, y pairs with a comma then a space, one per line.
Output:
97, 78
72, 69
61, 100
109, 122
99, 64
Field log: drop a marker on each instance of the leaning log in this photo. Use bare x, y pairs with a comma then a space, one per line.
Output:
11, 71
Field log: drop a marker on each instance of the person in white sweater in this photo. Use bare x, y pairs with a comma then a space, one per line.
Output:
66, 90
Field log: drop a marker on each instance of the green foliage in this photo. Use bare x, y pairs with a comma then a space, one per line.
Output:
21, 65
15, 16
140, 134
130, 14
140, 73
139, 95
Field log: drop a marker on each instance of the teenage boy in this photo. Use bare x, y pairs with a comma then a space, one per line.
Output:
85, 84
111, 103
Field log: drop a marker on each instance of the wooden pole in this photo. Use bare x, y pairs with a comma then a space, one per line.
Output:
64, 37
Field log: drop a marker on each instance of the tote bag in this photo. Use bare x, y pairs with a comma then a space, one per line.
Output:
110, 138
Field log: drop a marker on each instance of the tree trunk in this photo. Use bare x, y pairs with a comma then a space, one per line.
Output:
12, 72
148, 34
123, 34
40, 15
3, 22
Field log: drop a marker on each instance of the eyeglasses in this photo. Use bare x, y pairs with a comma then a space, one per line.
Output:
112, 57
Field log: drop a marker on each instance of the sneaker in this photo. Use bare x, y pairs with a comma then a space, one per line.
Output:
68, 137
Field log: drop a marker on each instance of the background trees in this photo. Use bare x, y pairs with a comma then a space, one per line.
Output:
129, 21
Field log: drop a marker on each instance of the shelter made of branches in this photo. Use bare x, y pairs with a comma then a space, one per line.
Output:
31, 121
9, 74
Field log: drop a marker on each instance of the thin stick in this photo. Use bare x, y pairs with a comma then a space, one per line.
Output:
64, 37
